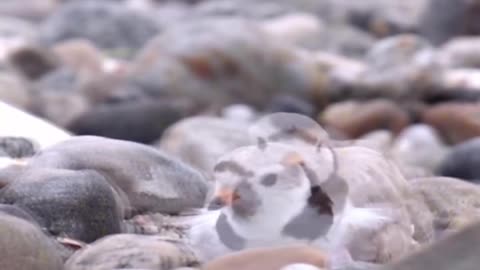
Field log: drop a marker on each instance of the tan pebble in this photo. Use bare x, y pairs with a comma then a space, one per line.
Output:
80, 55
136, 251
268, 259
355, 119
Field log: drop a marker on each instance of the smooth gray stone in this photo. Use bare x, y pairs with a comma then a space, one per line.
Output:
457, 252
147, 179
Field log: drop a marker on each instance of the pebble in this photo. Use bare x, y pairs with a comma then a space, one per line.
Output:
104, 88
78, 204
461, 83
14, 90
79, 55
219, 66
346, 40
33, 10
443, 254
17, 147
250, 10
239, 113
399, 67
300, 266
343, 74
25, 247
455, 121
454, 203
147, 179
17, 123
128, 251
446, 19
355, 119
462, 160
14, 33
107, 24
268, 259
301, 29
385, 18
201, 140
14, 27
141, 121
379, 140
33, 61
291, 104
17, 212
419, 146
461, 52
55, 98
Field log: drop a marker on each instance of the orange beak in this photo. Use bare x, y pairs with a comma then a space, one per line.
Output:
222, 198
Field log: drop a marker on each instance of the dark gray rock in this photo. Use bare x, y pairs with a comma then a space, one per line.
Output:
17, 147
77, 204
148, 180
444, 19
58, 80
18, 212
128, 251
33, 61
463, 161
24, 246
107, 24
291, 104
140, 121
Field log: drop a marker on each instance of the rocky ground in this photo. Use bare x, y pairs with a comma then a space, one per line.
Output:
167, 88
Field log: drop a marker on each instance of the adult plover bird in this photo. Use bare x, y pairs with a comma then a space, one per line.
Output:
348, 201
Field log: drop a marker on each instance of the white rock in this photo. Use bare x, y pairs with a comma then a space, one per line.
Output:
239, 113
17, 123
294, 28
461, 52
419, 146
300, 266
463, 78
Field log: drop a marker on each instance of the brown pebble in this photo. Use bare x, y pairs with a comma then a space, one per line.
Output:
355, 119
457, 122
24, 246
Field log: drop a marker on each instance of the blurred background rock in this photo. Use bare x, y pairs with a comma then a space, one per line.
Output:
131, 69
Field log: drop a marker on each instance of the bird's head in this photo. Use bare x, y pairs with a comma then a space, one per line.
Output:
267, 187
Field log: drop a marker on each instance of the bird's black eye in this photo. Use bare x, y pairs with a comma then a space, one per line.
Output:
269, 180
